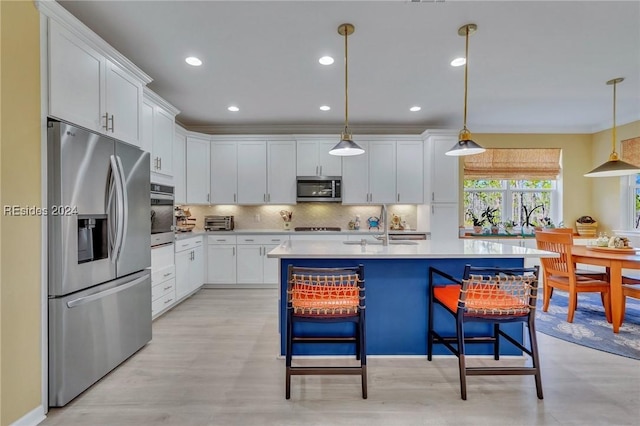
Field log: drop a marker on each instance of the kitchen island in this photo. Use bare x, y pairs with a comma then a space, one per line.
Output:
396, 281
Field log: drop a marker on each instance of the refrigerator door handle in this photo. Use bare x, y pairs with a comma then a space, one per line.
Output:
117, 245
125, 205
112, 220
88, 299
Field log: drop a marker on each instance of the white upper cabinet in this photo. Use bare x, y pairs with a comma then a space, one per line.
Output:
198, 163
443, 180
88, 89
355, 177
76, 78
389, 172
123, 104
409, 172
252, 172
158, 131
224, 172
313, 158
266, 172
281, 172
382, 172
179, 166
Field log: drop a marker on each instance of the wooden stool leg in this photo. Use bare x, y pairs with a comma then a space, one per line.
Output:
430, 327
288, 355
534, 356
363, 353
461, 361
496, 343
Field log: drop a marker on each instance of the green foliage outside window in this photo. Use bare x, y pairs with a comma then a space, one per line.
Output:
530, 200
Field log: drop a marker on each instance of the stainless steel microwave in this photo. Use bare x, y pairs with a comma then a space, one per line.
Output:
319, 189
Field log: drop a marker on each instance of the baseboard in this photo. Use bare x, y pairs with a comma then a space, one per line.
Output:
237, 286
32, 418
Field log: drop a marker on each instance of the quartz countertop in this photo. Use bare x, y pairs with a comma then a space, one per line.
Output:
292, 232
425, 249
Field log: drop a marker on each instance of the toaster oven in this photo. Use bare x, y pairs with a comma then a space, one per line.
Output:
218, 223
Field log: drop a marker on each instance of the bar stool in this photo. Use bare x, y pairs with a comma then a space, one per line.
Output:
326, 295
491, 295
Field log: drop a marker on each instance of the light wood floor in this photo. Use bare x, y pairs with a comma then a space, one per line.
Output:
212, 361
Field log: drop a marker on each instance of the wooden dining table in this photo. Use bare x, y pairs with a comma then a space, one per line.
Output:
614, 262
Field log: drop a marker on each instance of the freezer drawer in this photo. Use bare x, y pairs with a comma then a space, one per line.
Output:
91, 332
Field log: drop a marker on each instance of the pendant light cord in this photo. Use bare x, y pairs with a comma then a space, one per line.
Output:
613, 133
466, 65
346, 81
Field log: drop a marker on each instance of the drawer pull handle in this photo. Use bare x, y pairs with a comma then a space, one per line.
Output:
168, 288
167, 274
168, 301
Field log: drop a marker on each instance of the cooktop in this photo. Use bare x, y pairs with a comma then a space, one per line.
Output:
317, 228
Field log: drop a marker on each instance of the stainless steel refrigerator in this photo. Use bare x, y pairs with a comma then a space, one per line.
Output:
99, 252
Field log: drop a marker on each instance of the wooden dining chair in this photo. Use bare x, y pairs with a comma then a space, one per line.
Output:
630, 288
560, 273
326, 296
598, 275
491, 295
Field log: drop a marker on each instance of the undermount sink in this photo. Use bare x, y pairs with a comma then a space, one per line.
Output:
378, 242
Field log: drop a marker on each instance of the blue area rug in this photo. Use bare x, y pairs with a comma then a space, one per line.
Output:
590, 327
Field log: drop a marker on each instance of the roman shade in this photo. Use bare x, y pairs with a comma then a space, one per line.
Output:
513, 163
631, 151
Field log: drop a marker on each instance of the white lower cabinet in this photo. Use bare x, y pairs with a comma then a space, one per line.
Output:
189, 266
221, 259
242, 259
163, 280
253, 265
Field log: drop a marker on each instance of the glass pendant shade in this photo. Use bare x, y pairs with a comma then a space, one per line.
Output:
615, 166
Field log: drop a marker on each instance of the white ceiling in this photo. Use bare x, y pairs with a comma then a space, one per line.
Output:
534, 66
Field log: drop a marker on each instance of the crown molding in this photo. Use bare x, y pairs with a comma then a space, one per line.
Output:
55, 11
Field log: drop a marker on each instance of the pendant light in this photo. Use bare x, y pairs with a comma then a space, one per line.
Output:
615, 166
346, 146
465, 145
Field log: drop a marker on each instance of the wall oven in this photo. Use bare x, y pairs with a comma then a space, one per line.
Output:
319, 189
162, 216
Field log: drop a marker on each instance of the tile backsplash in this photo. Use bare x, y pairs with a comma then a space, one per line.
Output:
304, 214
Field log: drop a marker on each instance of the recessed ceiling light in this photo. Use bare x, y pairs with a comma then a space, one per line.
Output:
193, 61
415, 108
458, 62
326, 60
233, 108
325, 108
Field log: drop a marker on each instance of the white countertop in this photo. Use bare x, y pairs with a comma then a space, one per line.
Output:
182, 235
426, 249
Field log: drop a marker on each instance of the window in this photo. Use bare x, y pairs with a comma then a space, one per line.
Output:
521, 201
520, 184
631, 154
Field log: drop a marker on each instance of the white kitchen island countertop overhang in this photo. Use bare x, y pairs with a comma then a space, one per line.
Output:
420, 249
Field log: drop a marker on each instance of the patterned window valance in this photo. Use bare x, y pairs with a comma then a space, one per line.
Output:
513, 163
631, 151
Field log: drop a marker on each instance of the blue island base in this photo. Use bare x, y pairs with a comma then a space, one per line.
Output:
396, 292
